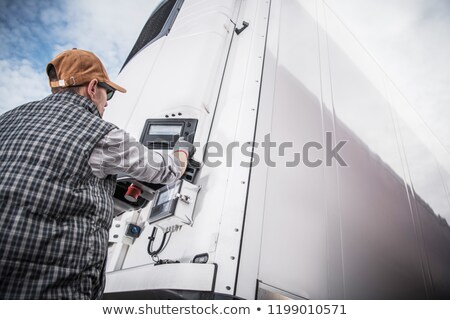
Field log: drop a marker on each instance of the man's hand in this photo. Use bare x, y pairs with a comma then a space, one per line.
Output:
184, 146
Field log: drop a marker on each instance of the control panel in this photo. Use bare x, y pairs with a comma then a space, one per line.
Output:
158, 134
163, 133
173, 206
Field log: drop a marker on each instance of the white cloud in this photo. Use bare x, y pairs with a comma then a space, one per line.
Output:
107, 28
20, 83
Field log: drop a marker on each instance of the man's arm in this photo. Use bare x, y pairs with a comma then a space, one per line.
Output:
118, 152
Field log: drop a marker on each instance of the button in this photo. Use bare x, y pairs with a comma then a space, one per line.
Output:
133, 193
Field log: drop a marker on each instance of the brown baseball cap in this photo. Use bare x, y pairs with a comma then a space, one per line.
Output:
77, 67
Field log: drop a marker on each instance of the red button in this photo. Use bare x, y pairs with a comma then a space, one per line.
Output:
133, 193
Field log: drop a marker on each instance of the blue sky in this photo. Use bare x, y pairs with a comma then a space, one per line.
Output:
33, 32
409, 38
23, 24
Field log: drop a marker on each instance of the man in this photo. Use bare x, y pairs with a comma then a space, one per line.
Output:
56, 183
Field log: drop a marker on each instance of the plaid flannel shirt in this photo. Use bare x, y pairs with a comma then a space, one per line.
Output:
54, 212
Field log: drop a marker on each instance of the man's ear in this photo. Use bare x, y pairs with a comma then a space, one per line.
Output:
92, 88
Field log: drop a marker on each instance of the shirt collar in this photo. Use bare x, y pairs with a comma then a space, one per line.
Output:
77, 99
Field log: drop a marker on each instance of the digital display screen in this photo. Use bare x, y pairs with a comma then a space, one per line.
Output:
166, 196
166, 130
162, 210
162, 134
165, 202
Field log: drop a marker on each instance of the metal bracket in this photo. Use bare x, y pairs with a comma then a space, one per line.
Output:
183, 198
245, 24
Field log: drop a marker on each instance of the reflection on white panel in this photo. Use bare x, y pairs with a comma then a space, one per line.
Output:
426, 176
385, 234
296, 194
377, 227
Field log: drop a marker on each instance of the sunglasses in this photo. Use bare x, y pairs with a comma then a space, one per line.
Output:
109, 91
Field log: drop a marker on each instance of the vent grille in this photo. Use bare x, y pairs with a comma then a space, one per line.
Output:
157, 26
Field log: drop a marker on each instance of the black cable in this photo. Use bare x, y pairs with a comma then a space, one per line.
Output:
150, 243
167, 242
156, 258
